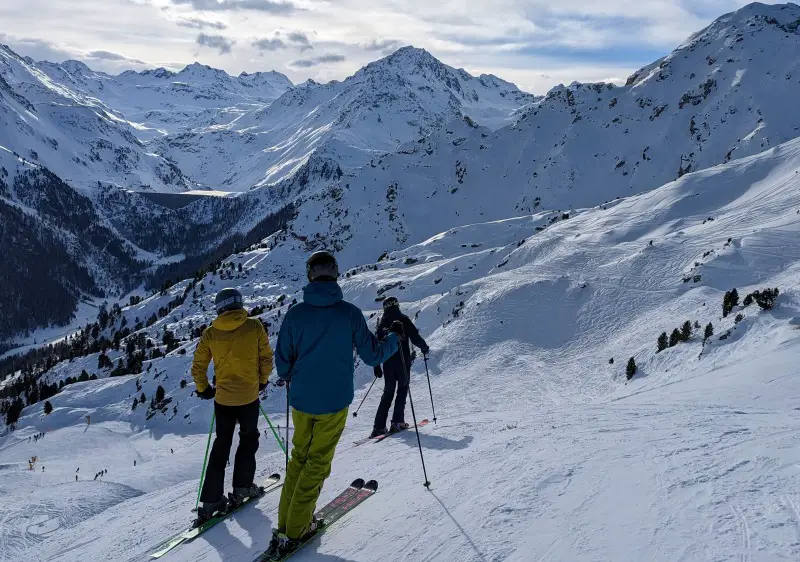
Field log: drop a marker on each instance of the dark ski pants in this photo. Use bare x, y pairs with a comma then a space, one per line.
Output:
393, 379
244, 467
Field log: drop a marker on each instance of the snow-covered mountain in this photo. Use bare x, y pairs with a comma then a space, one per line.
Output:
76, 136
405, 148
391, 101
531, 323
161, 101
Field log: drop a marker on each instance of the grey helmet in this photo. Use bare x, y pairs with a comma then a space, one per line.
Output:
228, 299
390, 302
322, 266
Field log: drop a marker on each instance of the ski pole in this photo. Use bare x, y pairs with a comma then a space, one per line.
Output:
427, 374
205, 460
414, 417
355, 414
272, 427
286, 449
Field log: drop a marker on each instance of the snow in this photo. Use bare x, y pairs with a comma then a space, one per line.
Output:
541, 450
529, 254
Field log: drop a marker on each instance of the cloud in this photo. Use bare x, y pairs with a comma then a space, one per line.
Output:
387, 46
223, 44
316, 61
196, 23
273, 44
303, 63
38, 49
270, 6
330, 58
299, 40
108, 55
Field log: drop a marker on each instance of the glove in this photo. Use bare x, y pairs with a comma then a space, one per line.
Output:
208, 393
426, 353
378, 371
397, 328
262, 386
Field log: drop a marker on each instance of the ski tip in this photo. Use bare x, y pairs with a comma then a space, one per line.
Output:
357, 483
371, 485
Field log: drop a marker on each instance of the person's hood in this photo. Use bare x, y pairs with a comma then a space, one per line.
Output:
322, 293
393, 313
230, 320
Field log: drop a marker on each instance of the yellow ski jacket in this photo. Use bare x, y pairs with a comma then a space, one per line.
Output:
242, 358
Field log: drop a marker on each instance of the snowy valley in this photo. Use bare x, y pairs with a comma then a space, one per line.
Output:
539, 244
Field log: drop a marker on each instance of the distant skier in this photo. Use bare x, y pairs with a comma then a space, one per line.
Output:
76, 478
242, 357
394, 373
88, 420
314, 355
134, 462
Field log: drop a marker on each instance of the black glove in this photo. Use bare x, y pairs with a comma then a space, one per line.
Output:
397, 328
378, 371
208, 393
426, 352
262, 386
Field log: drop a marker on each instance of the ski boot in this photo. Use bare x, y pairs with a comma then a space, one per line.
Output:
398, 426
280, 546
209, 509
241, 494
377, 432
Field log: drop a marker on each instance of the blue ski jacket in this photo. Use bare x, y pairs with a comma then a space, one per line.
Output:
315, 349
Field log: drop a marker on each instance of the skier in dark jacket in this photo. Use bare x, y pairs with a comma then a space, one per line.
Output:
396, 371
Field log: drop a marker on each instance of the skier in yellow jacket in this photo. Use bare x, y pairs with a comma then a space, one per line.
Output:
239, 347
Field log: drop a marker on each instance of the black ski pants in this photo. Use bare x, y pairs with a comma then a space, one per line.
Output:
393, 379
244, 466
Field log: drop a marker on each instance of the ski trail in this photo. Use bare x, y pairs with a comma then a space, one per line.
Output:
744, 531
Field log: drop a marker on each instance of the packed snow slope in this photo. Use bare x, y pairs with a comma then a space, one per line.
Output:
541, 451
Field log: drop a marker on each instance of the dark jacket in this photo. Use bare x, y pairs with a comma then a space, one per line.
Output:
315, 349
412, 334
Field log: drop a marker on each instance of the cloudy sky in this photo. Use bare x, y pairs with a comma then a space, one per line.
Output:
534, 43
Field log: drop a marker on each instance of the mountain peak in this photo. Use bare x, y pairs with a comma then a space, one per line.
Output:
197, 69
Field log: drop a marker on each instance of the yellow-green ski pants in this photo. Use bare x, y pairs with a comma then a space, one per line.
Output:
315, 439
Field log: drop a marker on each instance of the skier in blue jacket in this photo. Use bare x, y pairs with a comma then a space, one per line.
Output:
314, 355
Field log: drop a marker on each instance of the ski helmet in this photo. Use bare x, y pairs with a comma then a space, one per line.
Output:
228, 299
322, 266
390, 302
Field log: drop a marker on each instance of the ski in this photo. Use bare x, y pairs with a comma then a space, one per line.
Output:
334, 510
270, 484
387, 434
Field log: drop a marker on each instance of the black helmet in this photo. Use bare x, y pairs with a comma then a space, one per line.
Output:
322, 266
228, 299
390, 302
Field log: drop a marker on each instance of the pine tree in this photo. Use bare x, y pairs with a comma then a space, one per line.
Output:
686, 331
709, 332
160, 393
143, 398
631, 369
135, 403
48, 408
674, 337
730, 300
663, 342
